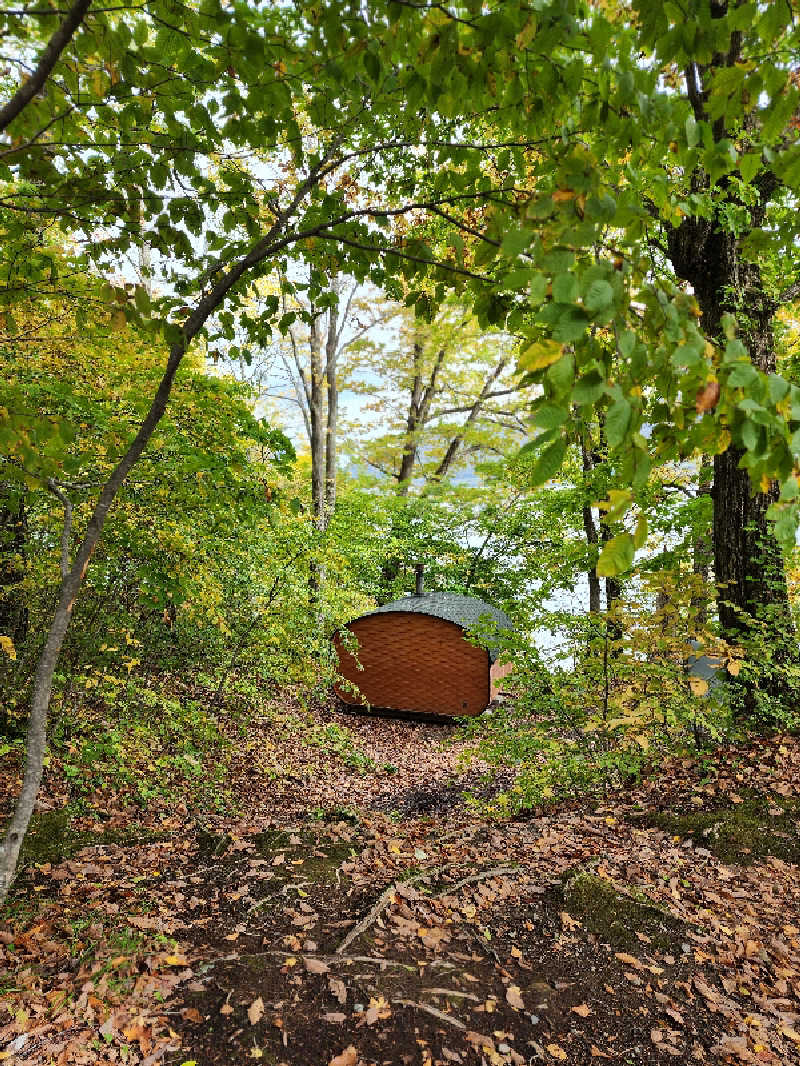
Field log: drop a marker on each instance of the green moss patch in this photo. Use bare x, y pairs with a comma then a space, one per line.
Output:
615, 917
309, 859
53, 837
740, 833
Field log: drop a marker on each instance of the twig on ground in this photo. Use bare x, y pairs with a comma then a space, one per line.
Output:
451, 992
429, 1010
482, 875
381, 904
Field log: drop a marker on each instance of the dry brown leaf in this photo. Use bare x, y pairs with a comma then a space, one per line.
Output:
707, 398
629, 960
255, 1012
338, 989
378, 1010
192, 1014
335, 1016
514, 997
316, 965
583, 1010
348, 1057
226, 1009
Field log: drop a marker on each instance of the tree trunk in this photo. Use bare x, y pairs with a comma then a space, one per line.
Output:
317, 418
703, 554
590, 529
36, 739
454, 446
748, 562
332, 415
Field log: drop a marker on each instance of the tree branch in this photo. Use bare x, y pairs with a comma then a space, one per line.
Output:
58, 42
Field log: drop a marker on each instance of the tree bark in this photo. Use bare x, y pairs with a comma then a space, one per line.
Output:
317, 419
56, 45
317, 416
36, 740
590, 530
748, 561
332, 414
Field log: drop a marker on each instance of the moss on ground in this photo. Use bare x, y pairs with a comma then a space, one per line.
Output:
320, 861
53, 837
742, 833
615, 917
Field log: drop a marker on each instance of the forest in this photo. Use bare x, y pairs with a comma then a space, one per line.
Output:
471, 328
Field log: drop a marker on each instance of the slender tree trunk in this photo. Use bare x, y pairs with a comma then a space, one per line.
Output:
332, 415
317, 418
454, 446
36, 740
590, 530
702, 553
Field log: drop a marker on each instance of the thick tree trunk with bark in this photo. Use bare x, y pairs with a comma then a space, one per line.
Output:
748, 562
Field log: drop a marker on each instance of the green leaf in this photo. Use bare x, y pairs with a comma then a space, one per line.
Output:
562, 373
616, 556
516, 241
565, 288
640, 533
618, 419
749, 166
692, 133
549, 463
589, 389
549, 416
599, 296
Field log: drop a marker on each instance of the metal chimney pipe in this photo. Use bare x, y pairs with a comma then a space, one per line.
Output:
419, 579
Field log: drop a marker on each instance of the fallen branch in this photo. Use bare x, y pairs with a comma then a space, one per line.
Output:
380, 906
440, 1014
483, 875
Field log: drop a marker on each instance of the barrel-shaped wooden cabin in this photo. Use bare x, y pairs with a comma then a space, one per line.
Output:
416, 657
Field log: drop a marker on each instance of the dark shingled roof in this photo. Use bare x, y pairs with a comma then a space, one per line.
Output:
464, 611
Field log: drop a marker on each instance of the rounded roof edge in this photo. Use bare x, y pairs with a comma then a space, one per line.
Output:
463, 611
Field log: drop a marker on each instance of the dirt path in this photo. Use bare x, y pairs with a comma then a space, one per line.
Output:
356, 916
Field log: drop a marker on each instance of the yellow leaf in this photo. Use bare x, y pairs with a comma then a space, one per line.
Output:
176, 960
734, 666
526, 34
557, 1052
7, 644
539, 355
698, 685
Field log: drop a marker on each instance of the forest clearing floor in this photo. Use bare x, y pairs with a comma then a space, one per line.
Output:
357, 911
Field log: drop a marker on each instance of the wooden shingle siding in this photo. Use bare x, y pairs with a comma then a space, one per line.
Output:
496, 674
415, 662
